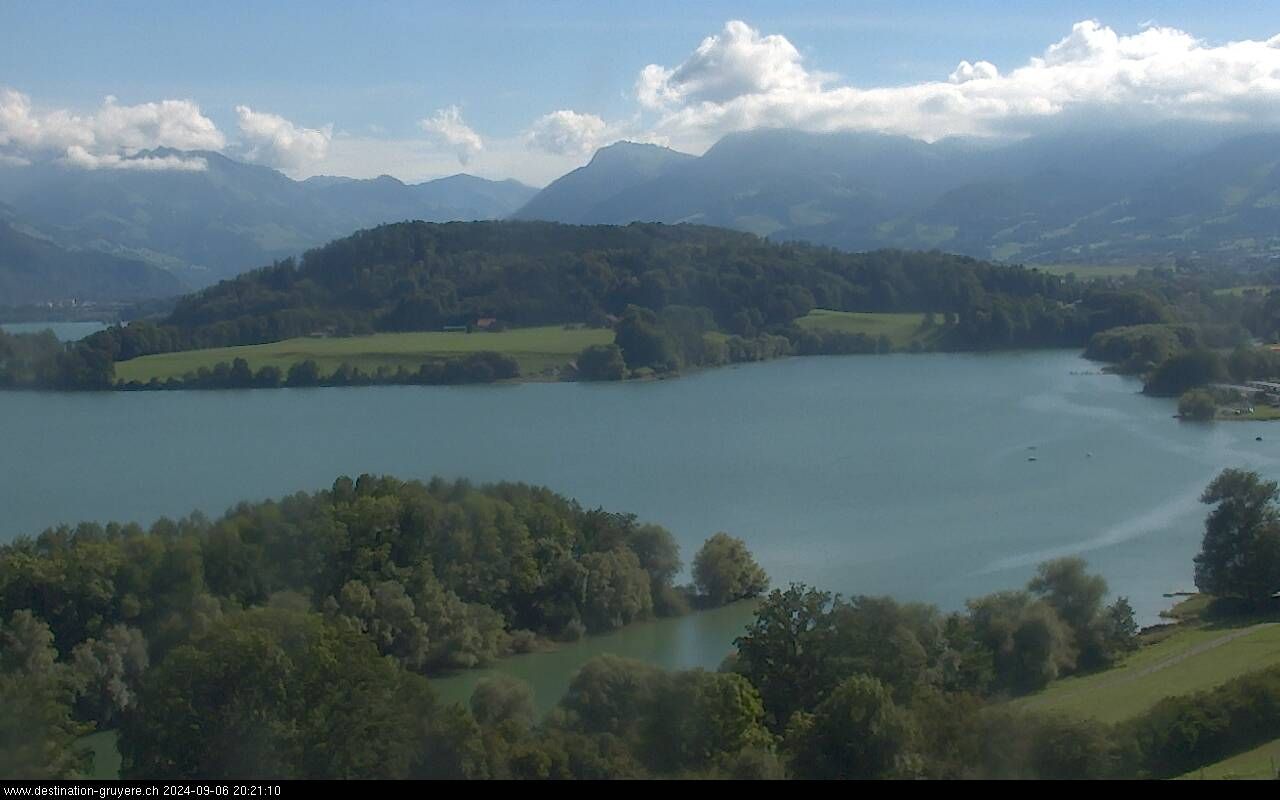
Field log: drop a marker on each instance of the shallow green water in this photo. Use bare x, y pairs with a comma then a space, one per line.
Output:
906, 474
699, 640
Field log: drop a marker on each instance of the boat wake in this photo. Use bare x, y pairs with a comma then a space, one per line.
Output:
1180, 506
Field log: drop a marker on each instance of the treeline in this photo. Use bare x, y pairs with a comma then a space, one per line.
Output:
288, 639
675, 279
485, 570
480, 367
423, 276
1175, 359
286, 690
419, 276
39, 360
1206, 333
434, 577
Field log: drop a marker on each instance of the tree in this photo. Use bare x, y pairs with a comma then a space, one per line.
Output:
1119, 628
785, 651
616, 590
1198, 405
724, 571
602, 362
271, 693
893, 643
502, 699
1240, 553
856, 733
643, 342
1066, 585
108, 672
303, 373
240, 375
701, 718
610, 694
1186, 371
38, 735
387, 615
1029, 642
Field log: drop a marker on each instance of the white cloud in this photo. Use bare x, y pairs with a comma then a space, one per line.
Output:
106, 136
566, 132
741, 79
447, 129
413, 160
275, 141
981, 71
77, 156
168, 123
736, 62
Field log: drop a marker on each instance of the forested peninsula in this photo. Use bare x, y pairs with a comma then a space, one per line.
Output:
665, 298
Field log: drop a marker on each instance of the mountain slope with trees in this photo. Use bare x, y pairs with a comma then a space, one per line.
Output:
214, 223
37, 271
1144, 196
676, 296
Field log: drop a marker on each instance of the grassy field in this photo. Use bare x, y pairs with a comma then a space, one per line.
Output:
901, 329
537, 349
1242, 290
1186, 661
1260, 414
106, 755
1260, 763
1088, 271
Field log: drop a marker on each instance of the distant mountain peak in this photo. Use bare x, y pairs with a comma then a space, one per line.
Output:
631, 152
613, 168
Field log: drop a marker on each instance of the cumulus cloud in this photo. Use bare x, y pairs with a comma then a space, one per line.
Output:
275, 141
736, 62
109, 135
566, 132
741, 79
77, 156
446, 128
981, 71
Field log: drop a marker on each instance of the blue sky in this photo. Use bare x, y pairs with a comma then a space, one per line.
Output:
374, 71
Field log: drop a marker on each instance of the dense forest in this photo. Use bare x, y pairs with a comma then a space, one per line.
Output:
291, 639
662, 288
1211, 326
675, 297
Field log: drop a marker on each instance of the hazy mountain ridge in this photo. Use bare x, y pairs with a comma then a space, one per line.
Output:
34, 270
577, 196
1145, 196
230, 217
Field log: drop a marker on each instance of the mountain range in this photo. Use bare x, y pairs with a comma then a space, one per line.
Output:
34, 270
203, 226
1142, 197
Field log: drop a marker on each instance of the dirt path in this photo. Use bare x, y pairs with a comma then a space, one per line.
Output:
1203, 647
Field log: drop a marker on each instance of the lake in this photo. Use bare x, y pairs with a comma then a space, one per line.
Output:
906, 474
65, 331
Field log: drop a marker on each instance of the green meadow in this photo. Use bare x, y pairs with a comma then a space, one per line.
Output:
1087, 272
902, 329
536, 349
1260, 763
1192, 658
